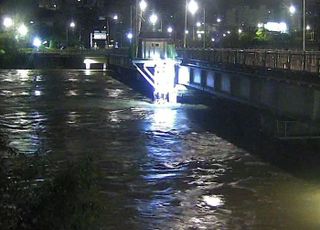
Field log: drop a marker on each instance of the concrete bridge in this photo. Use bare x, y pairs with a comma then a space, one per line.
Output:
286, 84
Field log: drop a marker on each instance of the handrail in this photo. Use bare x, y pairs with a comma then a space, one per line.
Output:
295, 60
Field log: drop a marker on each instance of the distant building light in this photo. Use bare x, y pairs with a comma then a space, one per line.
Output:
31, 22
199, 36
276, 27
219, 20
186, 32
115, 17
239, 31
228, 32
213, 40
224, 35
198, 24
308, 27
170, 29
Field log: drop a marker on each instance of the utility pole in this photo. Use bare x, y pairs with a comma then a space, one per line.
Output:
304, 25
204, 28
185, 25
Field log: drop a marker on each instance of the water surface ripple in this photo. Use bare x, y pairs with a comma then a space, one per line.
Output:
161, 168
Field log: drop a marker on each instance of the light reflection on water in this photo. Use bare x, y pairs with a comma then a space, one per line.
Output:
157, 161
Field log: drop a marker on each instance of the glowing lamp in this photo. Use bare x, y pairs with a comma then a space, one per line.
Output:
7, 22
193, 7
22, 30
36, 42
153, 19
143, 5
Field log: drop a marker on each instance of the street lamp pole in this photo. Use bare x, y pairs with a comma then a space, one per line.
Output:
304, 25
185, 25
204, 28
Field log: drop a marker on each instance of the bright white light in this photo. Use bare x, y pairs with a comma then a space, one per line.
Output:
31, 22
72, 24
170, 30
239, 31
153, 19
129, 35
198, 24
199, 36
22, 30
308, 27
36, 42
115, 17
224, 35
164, 118
219, 20
213, 201
7, 22
228, 32
292, 9
143, 5
193, 7
186, 32
260, 25
277, 27
37, 93
213, 40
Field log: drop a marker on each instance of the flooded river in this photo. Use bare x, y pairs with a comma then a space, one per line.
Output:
161, 167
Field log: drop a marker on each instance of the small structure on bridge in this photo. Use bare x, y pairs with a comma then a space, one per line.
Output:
156, 63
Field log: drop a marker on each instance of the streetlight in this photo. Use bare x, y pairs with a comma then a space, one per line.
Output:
22, 30
7, 22
170, 29
198, 24
115, 17
36, 42
292, 9
72, 25
143, 5
153, 20
129, 36
191, 6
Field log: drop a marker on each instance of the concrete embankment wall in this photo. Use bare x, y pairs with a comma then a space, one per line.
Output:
36, 61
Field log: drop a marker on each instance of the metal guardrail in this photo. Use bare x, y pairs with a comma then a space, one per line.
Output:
308, 61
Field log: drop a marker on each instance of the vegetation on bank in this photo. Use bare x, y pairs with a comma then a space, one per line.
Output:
36, 193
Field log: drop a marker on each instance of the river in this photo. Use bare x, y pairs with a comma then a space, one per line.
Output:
163, 166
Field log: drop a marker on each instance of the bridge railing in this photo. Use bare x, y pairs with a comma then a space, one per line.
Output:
308, 61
